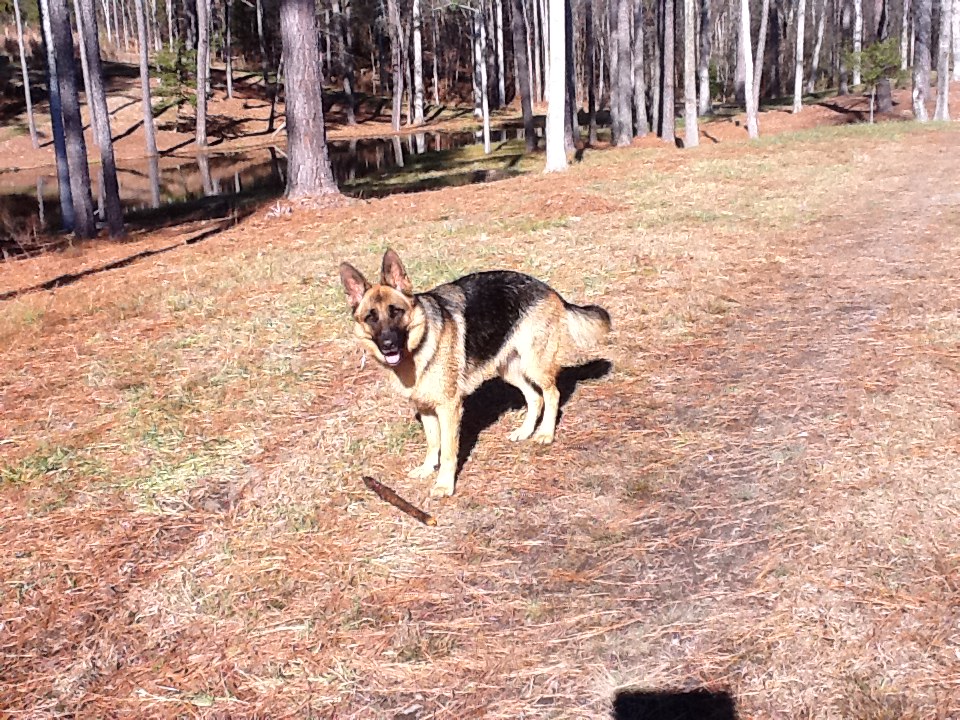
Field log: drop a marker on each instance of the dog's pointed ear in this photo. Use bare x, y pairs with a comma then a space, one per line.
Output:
394, 274
354, 284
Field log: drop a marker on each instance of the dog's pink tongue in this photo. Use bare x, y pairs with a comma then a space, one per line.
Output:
392, 359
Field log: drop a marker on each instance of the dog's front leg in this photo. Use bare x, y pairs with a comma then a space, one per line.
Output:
448, 415
431, 428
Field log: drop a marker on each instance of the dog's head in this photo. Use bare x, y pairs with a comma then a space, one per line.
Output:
389, 320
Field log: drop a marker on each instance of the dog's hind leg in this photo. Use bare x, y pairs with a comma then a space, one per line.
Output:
512, 374
431, 429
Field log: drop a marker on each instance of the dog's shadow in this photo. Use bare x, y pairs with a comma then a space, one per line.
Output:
495, 397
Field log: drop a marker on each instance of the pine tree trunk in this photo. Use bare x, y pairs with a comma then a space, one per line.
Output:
591, 74
26, 76
758, 59
942, 111
396, 48
746, 53
921, 65
844, 32
798, 59
955, 25
308, 165
904, 35
501, 65
520, 59
556, 154
203, 65
98, 99
85, 225
477, 54
621, 75
124, 14
228, 44
534, 52
641, 123
817, 46
571, 124
436, 54
417, 65
691, 136
67, 215
481, 20
345, 35
85, 68
857, 39
703, 70
668, 122
105, 6
170, 32
148, 130
264, 60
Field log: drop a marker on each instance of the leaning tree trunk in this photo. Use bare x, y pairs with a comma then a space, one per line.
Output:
857, 39
203, 64
396, 49
26, 76
308, 165
556, 154
417, 64
641, 122
706, 43
757, 60
746, 53
668, 116
921, 63
67, 220
148, 130
691, 135
98, 99
942, 111
520, 58
798, 60
817, 45
590, 71
85, 225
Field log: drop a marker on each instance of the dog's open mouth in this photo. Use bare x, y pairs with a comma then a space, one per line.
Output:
392, 359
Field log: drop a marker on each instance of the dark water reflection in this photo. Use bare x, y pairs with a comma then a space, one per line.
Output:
174, 188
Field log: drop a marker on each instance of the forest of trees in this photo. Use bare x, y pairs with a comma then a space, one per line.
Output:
627, 64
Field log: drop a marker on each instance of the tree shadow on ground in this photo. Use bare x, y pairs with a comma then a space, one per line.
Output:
495, 397
696, 704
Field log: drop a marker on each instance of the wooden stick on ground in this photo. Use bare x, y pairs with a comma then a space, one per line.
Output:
391, 497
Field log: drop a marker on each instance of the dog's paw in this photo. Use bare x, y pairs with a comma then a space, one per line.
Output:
422, 471
543, 438
442, 489
521, 433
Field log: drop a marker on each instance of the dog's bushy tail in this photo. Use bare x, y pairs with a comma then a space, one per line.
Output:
587, 324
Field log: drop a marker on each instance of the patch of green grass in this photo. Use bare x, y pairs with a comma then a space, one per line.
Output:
48, 460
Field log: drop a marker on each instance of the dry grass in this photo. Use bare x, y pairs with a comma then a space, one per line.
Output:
761, 495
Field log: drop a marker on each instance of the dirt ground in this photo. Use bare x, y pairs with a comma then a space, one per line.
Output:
754, 488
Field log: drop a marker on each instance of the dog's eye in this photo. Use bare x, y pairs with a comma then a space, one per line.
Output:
395, 312
372, 317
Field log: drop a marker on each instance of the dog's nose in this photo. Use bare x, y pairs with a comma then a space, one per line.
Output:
388, 343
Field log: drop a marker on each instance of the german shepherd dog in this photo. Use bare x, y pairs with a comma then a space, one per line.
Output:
442, 344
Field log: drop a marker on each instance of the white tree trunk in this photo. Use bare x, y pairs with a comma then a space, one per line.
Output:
817, 45
85, 69
956, 41
417, 64
556, 153
691, 137
105, 5
228, 44
436, 55
26, 76
857, 39
203, 66
921, 67
169, 4
798, 65
942, 111
905, 36
746, 55
761, 52
148, 132
533, 50
501, 65
484, 83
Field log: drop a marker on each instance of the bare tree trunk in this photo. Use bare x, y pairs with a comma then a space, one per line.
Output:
396, 48
641, 123
621, 77
556, 154
155, 22
501, 65
436, 54
520, 59
477, 55
798, 60
98, 99
545, 40
589, 55
264, 60
170, 33
761, 50
417, 65
105, 5
691, 135
26, 76
817, 45
703, 70
85, 68
857, 39
571, 122
203, 64
480, 17
126, 25
905, 35
228, 44
746, 52
955, 24
921, 65
668, 118
308, 165
346, 61
67, 215
942, 111
85, 225
148, 130
535, 54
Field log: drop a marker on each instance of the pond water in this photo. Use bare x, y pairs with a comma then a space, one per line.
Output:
181, 187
